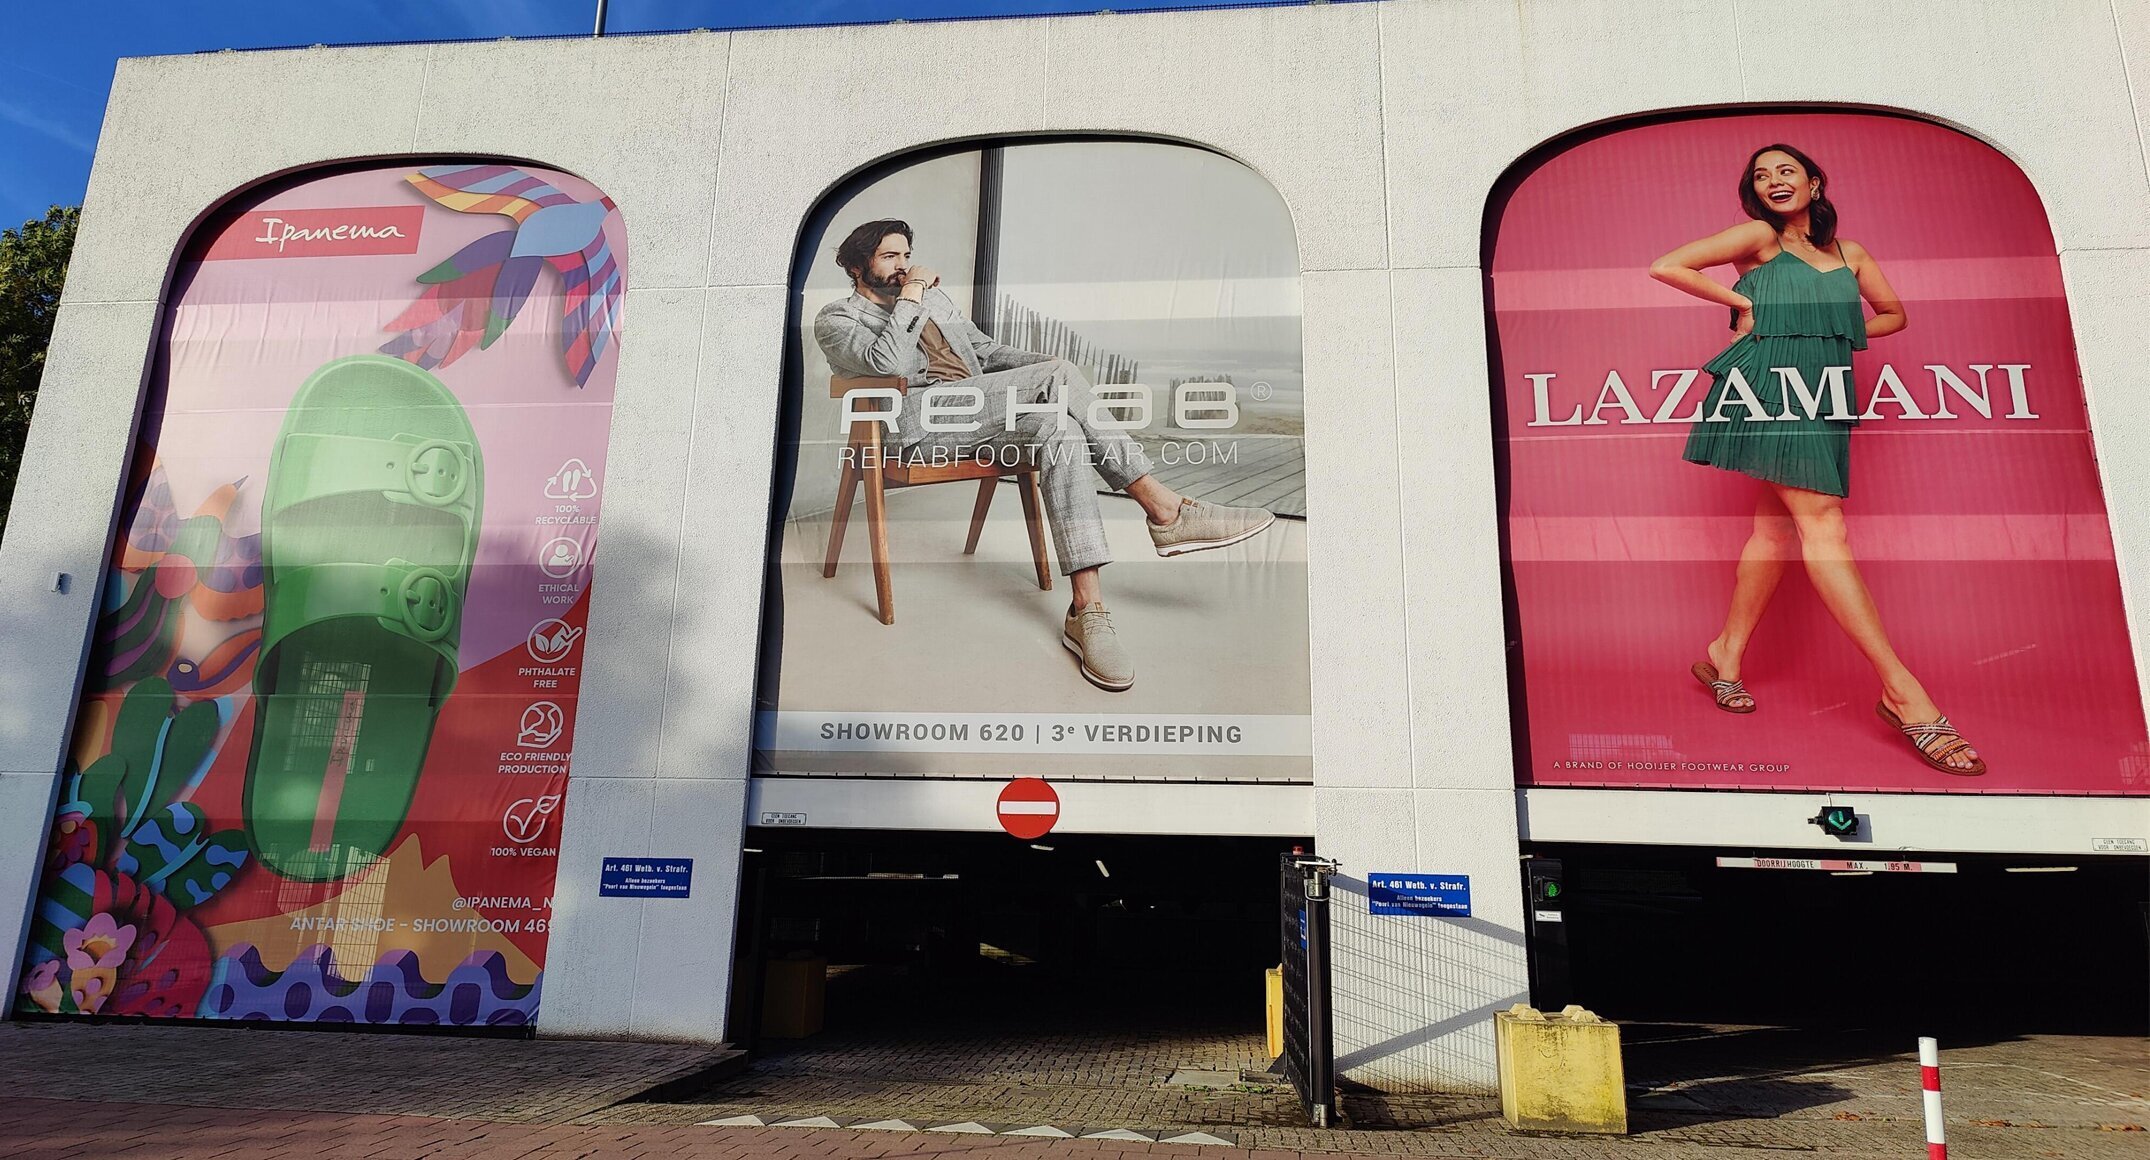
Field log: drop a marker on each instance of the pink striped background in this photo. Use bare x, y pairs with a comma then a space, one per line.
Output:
1985, 541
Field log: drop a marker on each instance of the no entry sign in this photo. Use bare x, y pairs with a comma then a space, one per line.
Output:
1028, 808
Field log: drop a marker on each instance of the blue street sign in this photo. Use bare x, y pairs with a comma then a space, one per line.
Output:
646, 878
1438, 895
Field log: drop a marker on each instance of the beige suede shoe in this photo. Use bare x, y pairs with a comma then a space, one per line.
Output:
1201, 525
1090, 636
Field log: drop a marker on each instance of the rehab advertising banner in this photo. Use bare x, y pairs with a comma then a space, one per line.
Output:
1798, 483
1041, 504
321, 750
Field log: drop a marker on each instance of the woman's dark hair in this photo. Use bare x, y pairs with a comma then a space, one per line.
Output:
1821, 215
856, 251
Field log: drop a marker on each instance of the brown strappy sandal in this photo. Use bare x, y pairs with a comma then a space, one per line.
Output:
1936, 742
1724, 691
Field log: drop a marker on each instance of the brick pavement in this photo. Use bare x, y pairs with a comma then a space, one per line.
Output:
55, 1129
39, 1129
1697, 1093
1694, 1090
989, 1051
503, 1080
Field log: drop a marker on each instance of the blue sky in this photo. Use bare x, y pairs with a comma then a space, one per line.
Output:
58, 57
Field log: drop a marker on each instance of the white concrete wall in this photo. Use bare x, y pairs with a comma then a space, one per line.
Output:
1384, 127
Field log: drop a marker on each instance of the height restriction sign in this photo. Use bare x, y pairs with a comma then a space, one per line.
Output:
1028, 808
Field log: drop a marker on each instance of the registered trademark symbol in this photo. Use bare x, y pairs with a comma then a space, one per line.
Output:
1261, 392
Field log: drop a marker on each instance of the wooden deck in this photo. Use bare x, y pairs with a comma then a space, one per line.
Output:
1264, 471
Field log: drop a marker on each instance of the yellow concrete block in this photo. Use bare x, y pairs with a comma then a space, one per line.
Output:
1273, 1008
1560, 1072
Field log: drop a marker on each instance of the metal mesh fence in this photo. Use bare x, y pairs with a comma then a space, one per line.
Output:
1414, 996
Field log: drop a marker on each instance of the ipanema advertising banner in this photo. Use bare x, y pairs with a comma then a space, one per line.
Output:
1044, 507
326, 730
1798, 482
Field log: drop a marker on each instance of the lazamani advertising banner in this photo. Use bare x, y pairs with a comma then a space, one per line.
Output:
1045, 506
321, 750
1798, 480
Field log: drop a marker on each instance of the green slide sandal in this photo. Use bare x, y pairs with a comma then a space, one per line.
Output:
369, 525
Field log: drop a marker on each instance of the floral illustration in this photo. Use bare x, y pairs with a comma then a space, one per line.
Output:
128, 855
166, 568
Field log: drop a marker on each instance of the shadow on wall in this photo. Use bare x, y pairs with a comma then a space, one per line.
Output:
28, 618
634, 591
1414, 998
635, 580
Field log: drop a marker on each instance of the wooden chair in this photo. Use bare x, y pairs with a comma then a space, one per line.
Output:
863, 462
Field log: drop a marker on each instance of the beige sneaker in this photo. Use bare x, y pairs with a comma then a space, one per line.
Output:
1201, 525
1090, 636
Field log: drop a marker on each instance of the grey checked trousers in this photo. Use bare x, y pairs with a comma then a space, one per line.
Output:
1065, 451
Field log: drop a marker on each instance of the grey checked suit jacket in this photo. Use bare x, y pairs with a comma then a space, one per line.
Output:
863, 339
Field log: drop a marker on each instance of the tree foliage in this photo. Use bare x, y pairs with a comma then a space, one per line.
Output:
33, 265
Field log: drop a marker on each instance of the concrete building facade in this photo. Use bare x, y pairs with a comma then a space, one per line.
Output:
1384, 126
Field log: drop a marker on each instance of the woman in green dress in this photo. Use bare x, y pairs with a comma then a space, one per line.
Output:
1780, 409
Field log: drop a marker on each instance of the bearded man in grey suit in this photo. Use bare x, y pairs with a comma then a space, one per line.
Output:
898, 323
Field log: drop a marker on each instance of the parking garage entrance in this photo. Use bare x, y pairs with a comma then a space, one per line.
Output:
2005, 945
898, 962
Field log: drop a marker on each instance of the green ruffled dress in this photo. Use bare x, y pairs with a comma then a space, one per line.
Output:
1804, 318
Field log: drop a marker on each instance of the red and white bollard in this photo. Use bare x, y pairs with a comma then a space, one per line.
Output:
1930, 1080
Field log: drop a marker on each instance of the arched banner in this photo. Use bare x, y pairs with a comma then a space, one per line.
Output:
330, 707
1797, 477
1011, 362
